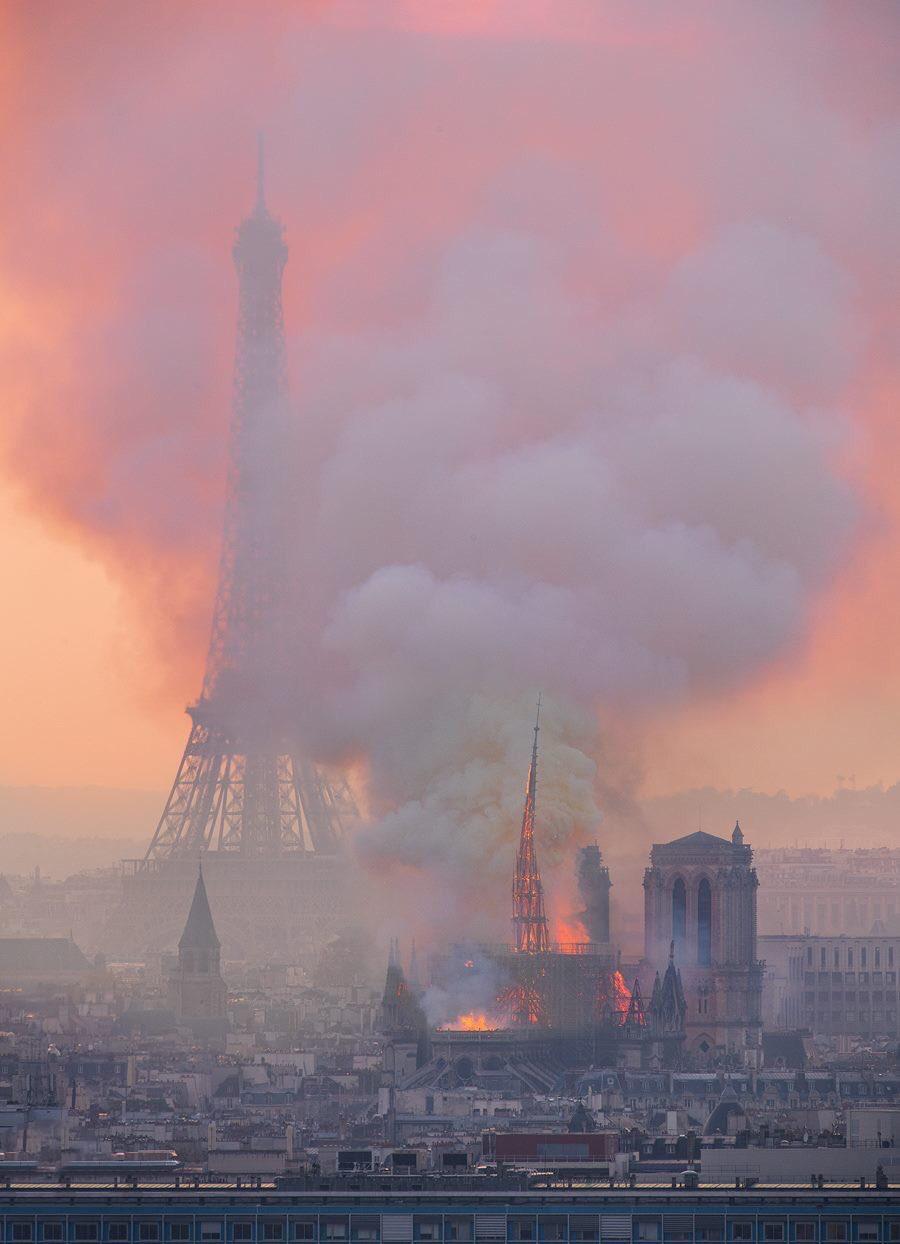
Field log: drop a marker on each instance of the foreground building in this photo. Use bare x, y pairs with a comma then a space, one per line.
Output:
502, 1213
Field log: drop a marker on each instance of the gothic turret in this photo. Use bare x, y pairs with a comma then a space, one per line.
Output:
196, 987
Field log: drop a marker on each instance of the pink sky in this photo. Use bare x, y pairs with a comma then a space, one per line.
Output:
557, 199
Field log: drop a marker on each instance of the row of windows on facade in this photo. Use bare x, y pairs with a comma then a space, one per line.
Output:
855, 908
826, 978
865, 1001
863, 956
808, 1231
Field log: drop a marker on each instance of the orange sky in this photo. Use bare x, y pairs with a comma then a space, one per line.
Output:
130, 127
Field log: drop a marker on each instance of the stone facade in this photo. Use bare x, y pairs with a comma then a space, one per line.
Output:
700, 894
833, 986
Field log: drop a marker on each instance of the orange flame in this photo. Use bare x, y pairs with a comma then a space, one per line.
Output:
621, 994
472, 1022
567, 932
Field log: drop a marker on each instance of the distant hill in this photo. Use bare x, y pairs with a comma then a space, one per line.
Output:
80, 811
65, 829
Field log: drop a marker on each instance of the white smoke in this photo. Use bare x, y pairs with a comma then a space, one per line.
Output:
613, 510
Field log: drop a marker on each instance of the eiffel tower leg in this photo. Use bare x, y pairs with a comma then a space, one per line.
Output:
183, 824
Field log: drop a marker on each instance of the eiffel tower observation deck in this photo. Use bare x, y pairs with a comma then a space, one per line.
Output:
266, 820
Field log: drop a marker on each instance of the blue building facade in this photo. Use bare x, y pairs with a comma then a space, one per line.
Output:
216, 1215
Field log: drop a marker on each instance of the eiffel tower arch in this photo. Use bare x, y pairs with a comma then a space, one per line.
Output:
268, 823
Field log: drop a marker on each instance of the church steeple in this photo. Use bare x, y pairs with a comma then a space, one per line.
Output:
199, 932
196, 987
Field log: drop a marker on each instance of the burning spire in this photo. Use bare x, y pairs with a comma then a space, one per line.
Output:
529, 918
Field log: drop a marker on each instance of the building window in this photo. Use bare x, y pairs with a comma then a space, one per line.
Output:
460, 1229
867, 1230
890, 956
21, 1231
243, 1231
86, 1232
210, 1231
53, 1232
704, 923
809, 956
822, 959
365, 1233
523, 1231
273, 1231
148, 1232
773, 1231
554, 1231
878, 956
679, 913
805, 1232
432, 1231
742, 1231
862, 957
836, 1232
180, 1232
118, 1233
335, 1231
837, 957
648, 1231
304, 1230
850, 958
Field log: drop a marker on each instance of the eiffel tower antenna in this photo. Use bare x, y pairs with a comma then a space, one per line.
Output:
260, 175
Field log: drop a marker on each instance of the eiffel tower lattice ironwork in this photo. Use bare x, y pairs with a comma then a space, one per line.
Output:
243, 786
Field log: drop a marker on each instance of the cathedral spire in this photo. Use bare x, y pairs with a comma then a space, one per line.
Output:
529, 917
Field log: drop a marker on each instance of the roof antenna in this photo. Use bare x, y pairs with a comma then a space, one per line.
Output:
260, 174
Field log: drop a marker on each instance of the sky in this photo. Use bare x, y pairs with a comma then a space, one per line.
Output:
593, 335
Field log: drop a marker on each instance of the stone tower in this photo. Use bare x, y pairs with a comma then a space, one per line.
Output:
700, 895
197, 990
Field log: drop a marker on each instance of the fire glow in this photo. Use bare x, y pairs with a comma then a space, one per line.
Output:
621, 994
473, 1021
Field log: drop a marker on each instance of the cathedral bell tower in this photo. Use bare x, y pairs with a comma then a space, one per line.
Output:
196, 988
700, 899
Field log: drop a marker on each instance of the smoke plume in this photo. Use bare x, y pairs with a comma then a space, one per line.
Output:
582, 317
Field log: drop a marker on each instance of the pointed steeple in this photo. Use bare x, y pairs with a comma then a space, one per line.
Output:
635, 1019
532, 772
199, 932
737, 836
529, 917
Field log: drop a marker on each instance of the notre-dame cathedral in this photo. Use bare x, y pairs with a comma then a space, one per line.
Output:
700, 897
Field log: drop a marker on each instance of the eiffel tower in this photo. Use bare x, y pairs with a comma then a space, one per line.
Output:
267, 821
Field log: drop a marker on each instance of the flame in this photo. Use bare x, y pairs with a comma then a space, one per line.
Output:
621, 994
473, 1021
566, 933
